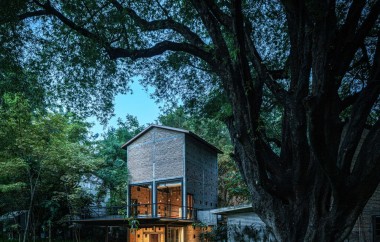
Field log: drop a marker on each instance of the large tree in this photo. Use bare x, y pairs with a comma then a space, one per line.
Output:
314, 62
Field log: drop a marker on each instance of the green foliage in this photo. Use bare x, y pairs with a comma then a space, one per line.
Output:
210, 234
217, 233
76, 70
133, 223
113, 169
251, 232
43, 158
200, 225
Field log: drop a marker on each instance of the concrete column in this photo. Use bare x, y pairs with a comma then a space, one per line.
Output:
184, 198
154, 199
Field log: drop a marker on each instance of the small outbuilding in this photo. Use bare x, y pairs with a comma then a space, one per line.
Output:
243, 224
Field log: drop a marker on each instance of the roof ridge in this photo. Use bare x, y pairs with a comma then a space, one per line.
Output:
192, 134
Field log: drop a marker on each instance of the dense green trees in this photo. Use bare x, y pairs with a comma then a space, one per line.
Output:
314, 62
46, 157
113, 171
43, 158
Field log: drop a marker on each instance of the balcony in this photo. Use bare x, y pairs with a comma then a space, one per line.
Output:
163, 211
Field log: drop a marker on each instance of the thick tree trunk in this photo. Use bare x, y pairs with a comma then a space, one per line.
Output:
317, 214
304, 201
309, 191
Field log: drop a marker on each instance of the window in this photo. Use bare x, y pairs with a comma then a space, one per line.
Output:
190, 205
190, 200
141, 200
169, 199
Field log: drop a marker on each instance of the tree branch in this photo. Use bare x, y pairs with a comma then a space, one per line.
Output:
223, 18
158, 49
375, 72
32, 14
24, 16
213, 28
266, 76
356, 124
361, 109
161, 24
300, 36
255, 170
347, 49
368, 23
352, 20
365, 174
253, 92
279, 74
86, 33
269, 77
348, 101
115, 53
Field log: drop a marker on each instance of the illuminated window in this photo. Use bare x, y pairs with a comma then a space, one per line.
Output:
169, 199
141, 200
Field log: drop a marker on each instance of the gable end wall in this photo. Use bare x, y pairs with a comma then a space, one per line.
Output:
157, 154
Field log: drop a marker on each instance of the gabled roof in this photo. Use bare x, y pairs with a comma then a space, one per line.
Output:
187, 132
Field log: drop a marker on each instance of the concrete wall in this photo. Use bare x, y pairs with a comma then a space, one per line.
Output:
247, 227
157, 154
201, 174
244, 219
206, 217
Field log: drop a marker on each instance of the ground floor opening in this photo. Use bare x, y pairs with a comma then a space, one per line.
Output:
157, 234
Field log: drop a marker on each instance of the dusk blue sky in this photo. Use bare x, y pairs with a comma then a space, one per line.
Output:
139, 104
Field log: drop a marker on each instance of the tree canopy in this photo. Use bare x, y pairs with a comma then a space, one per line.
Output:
313, 65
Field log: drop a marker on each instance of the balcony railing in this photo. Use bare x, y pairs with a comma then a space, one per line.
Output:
161, 210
